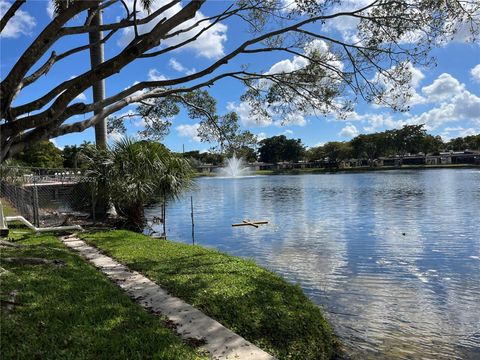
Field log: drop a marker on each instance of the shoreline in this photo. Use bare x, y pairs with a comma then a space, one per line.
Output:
349, 170
362, 169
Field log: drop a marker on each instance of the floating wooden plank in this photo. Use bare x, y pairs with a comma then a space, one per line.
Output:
251, 223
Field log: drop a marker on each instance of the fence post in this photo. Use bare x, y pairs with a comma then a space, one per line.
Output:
37, 216
15, 199
94, 204
34, 209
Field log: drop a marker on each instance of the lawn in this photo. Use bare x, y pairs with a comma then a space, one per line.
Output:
71, 311
256, 303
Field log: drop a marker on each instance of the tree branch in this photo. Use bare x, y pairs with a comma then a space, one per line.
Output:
9, 86
10, 13
55, 113
73, 30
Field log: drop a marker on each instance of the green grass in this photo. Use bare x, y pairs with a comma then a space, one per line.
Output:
254, 302
74, 312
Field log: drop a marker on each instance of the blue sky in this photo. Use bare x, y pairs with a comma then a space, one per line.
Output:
446, 97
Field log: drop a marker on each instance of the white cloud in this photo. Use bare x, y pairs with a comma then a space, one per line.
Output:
475, 72
455, 103
51, 9
21, 23
210, 44
373, 121
81, 97
443, 88
132, 116
417, 75
464, 106
349, 131
243, 111
406, 94
115, 136
469, 131
261, 136
154, 75
54, 142
176, 65
299, 62
292, 119
288, 66
288, 132
189, 131
467, 106
450, 103
459, 131
289, 5
346, 25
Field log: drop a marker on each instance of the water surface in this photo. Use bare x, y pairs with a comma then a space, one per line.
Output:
392, 257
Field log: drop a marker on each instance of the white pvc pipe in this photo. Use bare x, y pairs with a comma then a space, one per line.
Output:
31, 226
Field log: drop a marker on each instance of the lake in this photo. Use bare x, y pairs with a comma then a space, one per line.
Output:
392, 257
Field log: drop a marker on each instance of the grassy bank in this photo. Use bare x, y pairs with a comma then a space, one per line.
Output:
362, 169
254, 302
70, 311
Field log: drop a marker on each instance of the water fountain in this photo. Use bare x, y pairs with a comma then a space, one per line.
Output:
234, 167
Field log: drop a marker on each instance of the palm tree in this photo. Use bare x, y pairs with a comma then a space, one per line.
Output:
135, 173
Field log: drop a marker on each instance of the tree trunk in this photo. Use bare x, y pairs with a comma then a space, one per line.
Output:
135, 218
98, 94
98, 88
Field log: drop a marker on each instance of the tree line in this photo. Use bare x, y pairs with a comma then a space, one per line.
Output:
411, 139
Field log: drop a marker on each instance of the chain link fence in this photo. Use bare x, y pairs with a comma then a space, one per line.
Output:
47, 197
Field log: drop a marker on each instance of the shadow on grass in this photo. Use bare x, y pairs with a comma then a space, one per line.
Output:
254, 302
73, 312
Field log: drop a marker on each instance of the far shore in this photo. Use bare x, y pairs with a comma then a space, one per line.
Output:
350, 170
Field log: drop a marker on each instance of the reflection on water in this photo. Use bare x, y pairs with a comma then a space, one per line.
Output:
392, 257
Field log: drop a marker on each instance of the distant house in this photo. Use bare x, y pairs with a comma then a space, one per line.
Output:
457, 157
389, 161
207, 168
413, 160
465, 157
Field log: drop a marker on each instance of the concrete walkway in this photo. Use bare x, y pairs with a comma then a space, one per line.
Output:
190, 323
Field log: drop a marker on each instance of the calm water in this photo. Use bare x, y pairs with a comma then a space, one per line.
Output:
393, 258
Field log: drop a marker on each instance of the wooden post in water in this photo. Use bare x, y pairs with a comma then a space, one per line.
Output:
193, 223
163, 219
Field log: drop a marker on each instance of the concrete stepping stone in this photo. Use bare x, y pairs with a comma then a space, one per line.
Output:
190, 323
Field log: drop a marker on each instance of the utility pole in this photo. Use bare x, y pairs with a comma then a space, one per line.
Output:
98, 88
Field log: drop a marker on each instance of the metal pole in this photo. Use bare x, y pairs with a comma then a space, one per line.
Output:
35, 200
193, 223
163, 219
94, 218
